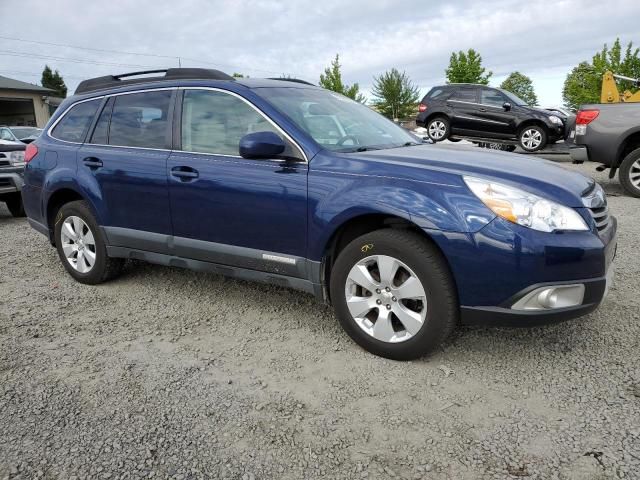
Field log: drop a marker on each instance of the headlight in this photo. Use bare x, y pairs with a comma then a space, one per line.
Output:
556, 120
524, 208
16, 158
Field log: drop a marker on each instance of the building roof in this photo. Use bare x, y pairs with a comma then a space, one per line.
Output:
11, 84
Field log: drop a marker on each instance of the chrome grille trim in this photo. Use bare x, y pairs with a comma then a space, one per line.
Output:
596, 201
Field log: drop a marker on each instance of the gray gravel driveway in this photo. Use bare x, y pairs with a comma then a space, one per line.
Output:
166, 373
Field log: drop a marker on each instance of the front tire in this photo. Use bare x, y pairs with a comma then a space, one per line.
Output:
15, 205
81, 246
533, 138
438, 129
630, 173
393, 294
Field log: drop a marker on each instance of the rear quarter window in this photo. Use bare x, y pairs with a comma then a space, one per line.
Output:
75, 123
436, 93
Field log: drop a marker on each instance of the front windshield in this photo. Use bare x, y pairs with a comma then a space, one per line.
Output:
337, 122
23, 132
514, 98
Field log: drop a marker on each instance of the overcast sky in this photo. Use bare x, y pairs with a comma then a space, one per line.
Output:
543, 39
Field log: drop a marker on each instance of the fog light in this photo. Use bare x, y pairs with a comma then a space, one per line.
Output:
551, 297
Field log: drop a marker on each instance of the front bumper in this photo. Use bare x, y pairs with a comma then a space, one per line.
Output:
11, 179
502, 263
504, 316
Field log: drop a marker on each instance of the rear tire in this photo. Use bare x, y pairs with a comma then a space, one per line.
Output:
533, 138
630, 173
417, 304
81, 246
438, 129
15, 205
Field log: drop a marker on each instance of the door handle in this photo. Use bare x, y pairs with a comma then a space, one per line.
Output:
482, 109
185, 173
92, 162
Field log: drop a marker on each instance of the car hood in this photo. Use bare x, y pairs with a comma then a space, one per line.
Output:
10, 142
538, 176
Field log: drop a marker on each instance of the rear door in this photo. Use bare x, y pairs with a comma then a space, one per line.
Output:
462, 105
125, 161
492, 117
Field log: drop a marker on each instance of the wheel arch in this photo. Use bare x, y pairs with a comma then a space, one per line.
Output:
630, 143
357, 226
435, 114
54, 203
531, 122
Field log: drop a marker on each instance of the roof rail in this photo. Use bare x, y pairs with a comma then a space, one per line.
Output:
112, 81
295, 80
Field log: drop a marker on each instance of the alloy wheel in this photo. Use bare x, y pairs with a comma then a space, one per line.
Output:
437, 129
634, 174
78, 244
531, 138
386, 298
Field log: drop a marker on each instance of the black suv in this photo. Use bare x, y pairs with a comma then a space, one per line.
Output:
489, 113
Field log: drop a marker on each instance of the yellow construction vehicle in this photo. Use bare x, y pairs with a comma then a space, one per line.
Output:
610, 93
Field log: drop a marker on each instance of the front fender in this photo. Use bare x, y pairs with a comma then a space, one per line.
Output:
335, 199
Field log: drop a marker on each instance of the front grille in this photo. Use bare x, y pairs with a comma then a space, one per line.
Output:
5, 182
601, 217
4, 163
595, 200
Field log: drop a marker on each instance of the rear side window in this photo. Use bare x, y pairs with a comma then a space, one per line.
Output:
464, 95
140, 120
74, 125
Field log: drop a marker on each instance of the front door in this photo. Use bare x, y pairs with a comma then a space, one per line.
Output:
231, 210
492, 117
126, 158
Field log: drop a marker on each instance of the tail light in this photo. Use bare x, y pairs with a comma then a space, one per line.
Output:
30, 152
585, 117
422, 107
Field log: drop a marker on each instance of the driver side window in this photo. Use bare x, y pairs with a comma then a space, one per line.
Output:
492, 98
214, 122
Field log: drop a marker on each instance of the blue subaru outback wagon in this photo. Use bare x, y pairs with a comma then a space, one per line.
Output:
287, 183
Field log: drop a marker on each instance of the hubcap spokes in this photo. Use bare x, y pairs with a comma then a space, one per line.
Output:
437, 130
634, 174
531, 138
78, 244
386, 299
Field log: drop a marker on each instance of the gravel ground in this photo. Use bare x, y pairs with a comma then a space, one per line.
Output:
167, 373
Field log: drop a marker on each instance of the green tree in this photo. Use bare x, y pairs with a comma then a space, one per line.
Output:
395, 95
237, 75
522, 86
584, 83
467, 68
582, 86
331, 79
54, 81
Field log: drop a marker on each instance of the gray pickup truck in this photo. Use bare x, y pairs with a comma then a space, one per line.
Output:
610, 134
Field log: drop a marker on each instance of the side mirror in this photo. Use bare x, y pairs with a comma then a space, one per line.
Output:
261, 145
506, 106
